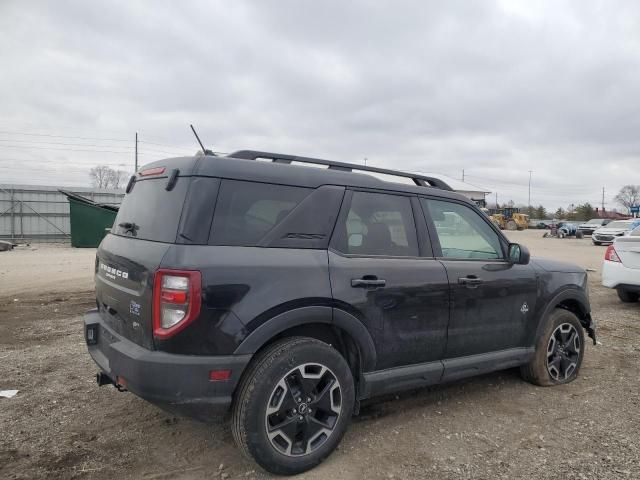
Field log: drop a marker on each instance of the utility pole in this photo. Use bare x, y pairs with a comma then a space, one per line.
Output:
530, 172
497, 200
365, 161
136, 161
602, 199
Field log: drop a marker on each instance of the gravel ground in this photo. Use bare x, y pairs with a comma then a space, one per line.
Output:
60, 425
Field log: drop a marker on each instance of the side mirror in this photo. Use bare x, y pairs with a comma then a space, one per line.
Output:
518, 254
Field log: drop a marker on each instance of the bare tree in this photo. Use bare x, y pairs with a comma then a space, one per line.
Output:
117, 179
104, 176
101, 176
628, 196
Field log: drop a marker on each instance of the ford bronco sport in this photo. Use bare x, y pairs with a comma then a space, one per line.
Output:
284, 295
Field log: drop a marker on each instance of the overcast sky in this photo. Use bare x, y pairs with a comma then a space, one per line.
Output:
494, 88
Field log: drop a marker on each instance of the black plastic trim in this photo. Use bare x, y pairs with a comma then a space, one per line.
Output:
308, 315
382, 382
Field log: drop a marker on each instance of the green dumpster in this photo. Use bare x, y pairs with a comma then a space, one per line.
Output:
89, 220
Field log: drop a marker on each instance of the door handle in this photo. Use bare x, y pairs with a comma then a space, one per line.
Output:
368, 281
470, 281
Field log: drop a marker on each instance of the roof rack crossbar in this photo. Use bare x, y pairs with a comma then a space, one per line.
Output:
420, 180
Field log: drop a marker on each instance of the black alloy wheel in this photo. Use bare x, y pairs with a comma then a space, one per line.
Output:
303, 409
563, 352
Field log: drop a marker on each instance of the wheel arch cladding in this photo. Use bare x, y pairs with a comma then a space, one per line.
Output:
577, 303
343, 328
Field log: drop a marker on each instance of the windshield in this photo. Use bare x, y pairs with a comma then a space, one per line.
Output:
619, 225
596, 221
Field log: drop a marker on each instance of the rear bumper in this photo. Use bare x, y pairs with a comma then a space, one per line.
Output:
615, 274
177, 383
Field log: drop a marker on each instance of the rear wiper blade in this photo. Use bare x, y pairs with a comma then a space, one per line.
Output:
129, 227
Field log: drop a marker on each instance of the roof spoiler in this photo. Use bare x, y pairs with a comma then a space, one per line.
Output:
420, 180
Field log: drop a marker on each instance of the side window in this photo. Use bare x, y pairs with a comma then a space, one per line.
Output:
462, 232
378, 224
246, 211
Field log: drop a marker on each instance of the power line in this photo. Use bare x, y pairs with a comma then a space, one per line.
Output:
163, 145
521, 185
6, 132
50, 170
63, 149
63, 136
62, 143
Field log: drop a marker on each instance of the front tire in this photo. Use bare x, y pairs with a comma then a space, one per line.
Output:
293, 405
626, 296
559, 351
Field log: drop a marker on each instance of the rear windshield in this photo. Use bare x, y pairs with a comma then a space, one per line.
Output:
150, 212
247, 211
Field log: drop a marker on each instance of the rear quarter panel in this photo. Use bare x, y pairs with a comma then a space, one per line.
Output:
243, 287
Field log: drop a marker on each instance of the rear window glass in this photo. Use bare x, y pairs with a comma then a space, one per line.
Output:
149, 212
378, 224
246, 211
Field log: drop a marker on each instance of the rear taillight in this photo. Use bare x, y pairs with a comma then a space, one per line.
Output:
176, 301
611, 255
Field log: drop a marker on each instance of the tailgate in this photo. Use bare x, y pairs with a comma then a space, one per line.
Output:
628, 249
124, 281
128, 257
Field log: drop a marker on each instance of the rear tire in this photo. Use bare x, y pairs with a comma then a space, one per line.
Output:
626, 296
559, 351
293, 405
579, 234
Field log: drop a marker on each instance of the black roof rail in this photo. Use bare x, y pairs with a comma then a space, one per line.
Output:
420, 180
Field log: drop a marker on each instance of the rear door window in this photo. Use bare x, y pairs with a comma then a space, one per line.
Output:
247, 211
378, 224
150, 212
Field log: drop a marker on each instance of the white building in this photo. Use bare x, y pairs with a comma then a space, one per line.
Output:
477, 194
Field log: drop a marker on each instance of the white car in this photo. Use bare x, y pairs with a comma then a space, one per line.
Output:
617, 228
621, 268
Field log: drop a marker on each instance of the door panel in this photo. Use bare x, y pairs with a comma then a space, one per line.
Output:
408, 316
492, 314
377, 269
492, 300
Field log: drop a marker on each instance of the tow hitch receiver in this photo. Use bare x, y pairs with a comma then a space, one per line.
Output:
104, 379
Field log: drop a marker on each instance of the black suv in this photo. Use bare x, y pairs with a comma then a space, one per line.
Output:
285, 294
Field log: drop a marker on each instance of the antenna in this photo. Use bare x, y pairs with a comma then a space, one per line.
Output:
204, 150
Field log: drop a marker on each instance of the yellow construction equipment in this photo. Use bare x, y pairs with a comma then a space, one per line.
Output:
509, 219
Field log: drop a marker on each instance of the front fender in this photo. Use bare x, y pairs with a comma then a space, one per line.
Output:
566, 297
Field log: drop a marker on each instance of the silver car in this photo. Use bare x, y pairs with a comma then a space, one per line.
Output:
592, 225
617, 228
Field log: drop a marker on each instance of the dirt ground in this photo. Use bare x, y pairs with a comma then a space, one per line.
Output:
61, 425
